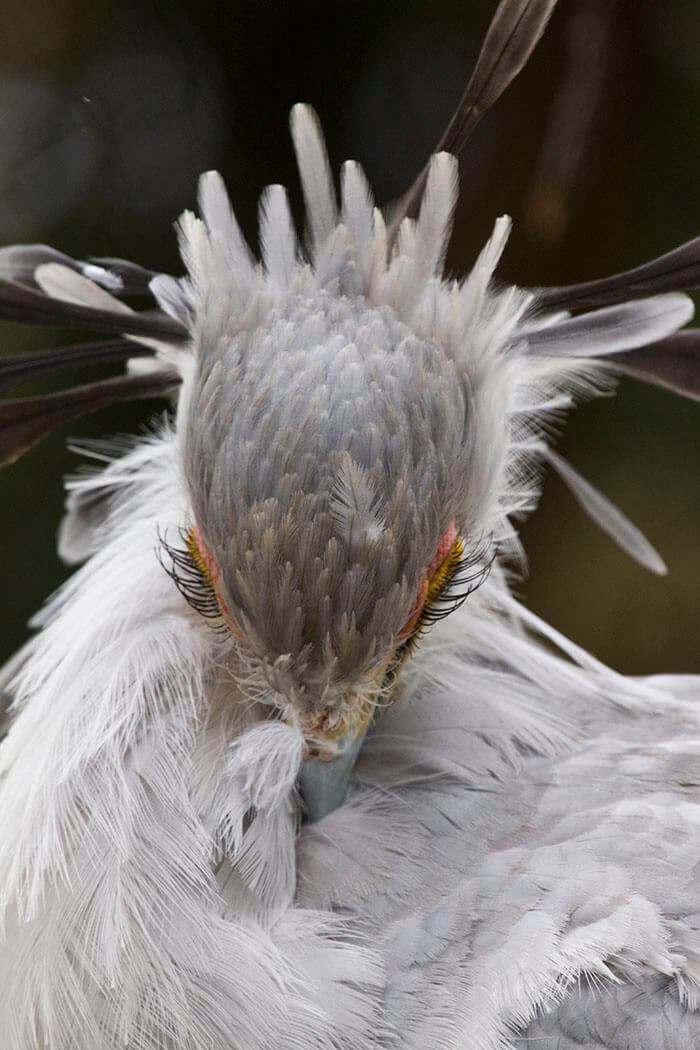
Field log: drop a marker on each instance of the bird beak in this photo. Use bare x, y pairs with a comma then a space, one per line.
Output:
323, 782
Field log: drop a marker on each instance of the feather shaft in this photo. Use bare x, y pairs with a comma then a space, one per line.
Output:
607, 516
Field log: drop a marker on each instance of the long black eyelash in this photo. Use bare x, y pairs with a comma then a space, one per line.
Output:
192, 583
469, 573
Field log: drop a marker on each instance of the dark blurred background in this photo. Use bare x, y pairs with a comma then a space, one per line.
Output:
109, 110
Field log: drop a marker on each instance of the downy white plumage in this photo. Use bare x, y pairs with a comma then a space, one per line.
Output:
352, 443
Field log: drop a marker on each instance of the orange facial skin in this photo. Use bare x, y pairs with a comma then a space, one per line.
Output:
205, 563
431, 579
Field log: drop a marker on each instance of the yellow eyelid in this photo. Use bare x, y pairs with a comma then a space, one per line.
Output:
444, 570
195, 554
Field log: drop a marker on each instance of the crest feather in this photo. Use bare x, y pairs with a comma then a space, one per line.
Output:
278, 240
315, 174
61, 282
434, 224
614, 329
222, 224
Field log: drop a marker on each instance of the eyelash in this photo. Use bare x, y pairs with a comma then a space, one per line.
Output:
189, 574
465, 574
462, 572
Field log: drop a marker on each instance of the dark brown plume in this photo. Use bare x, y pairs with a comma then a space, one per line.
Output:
673, 363
24, 368
23, 299
675, 271
515, 29
25, 421
24, 305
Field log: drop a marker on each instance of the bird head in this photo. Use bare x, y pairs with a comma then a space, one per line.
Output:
356, 433
328, 435
323, 503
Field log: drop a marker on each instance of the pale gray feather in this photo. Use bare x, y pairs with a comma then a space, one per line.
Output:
607, 516
354, 440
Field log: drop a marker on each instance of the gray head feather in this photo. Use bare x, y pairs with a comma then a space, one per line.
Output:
344, 411
321, 482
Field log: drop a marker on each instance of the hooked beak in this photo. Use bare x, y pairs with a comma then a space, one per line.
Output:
323, 782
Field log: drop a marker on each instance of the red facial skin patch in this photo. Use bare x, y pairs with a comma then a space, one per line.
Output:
444, 547
199, 551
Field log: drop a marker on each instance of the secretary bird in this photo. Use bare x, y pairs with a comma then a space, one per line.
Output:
288, 766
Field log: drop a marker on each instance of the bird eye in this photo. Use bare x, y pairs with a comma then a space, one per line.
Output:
456, 576
189, 572
439, 598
